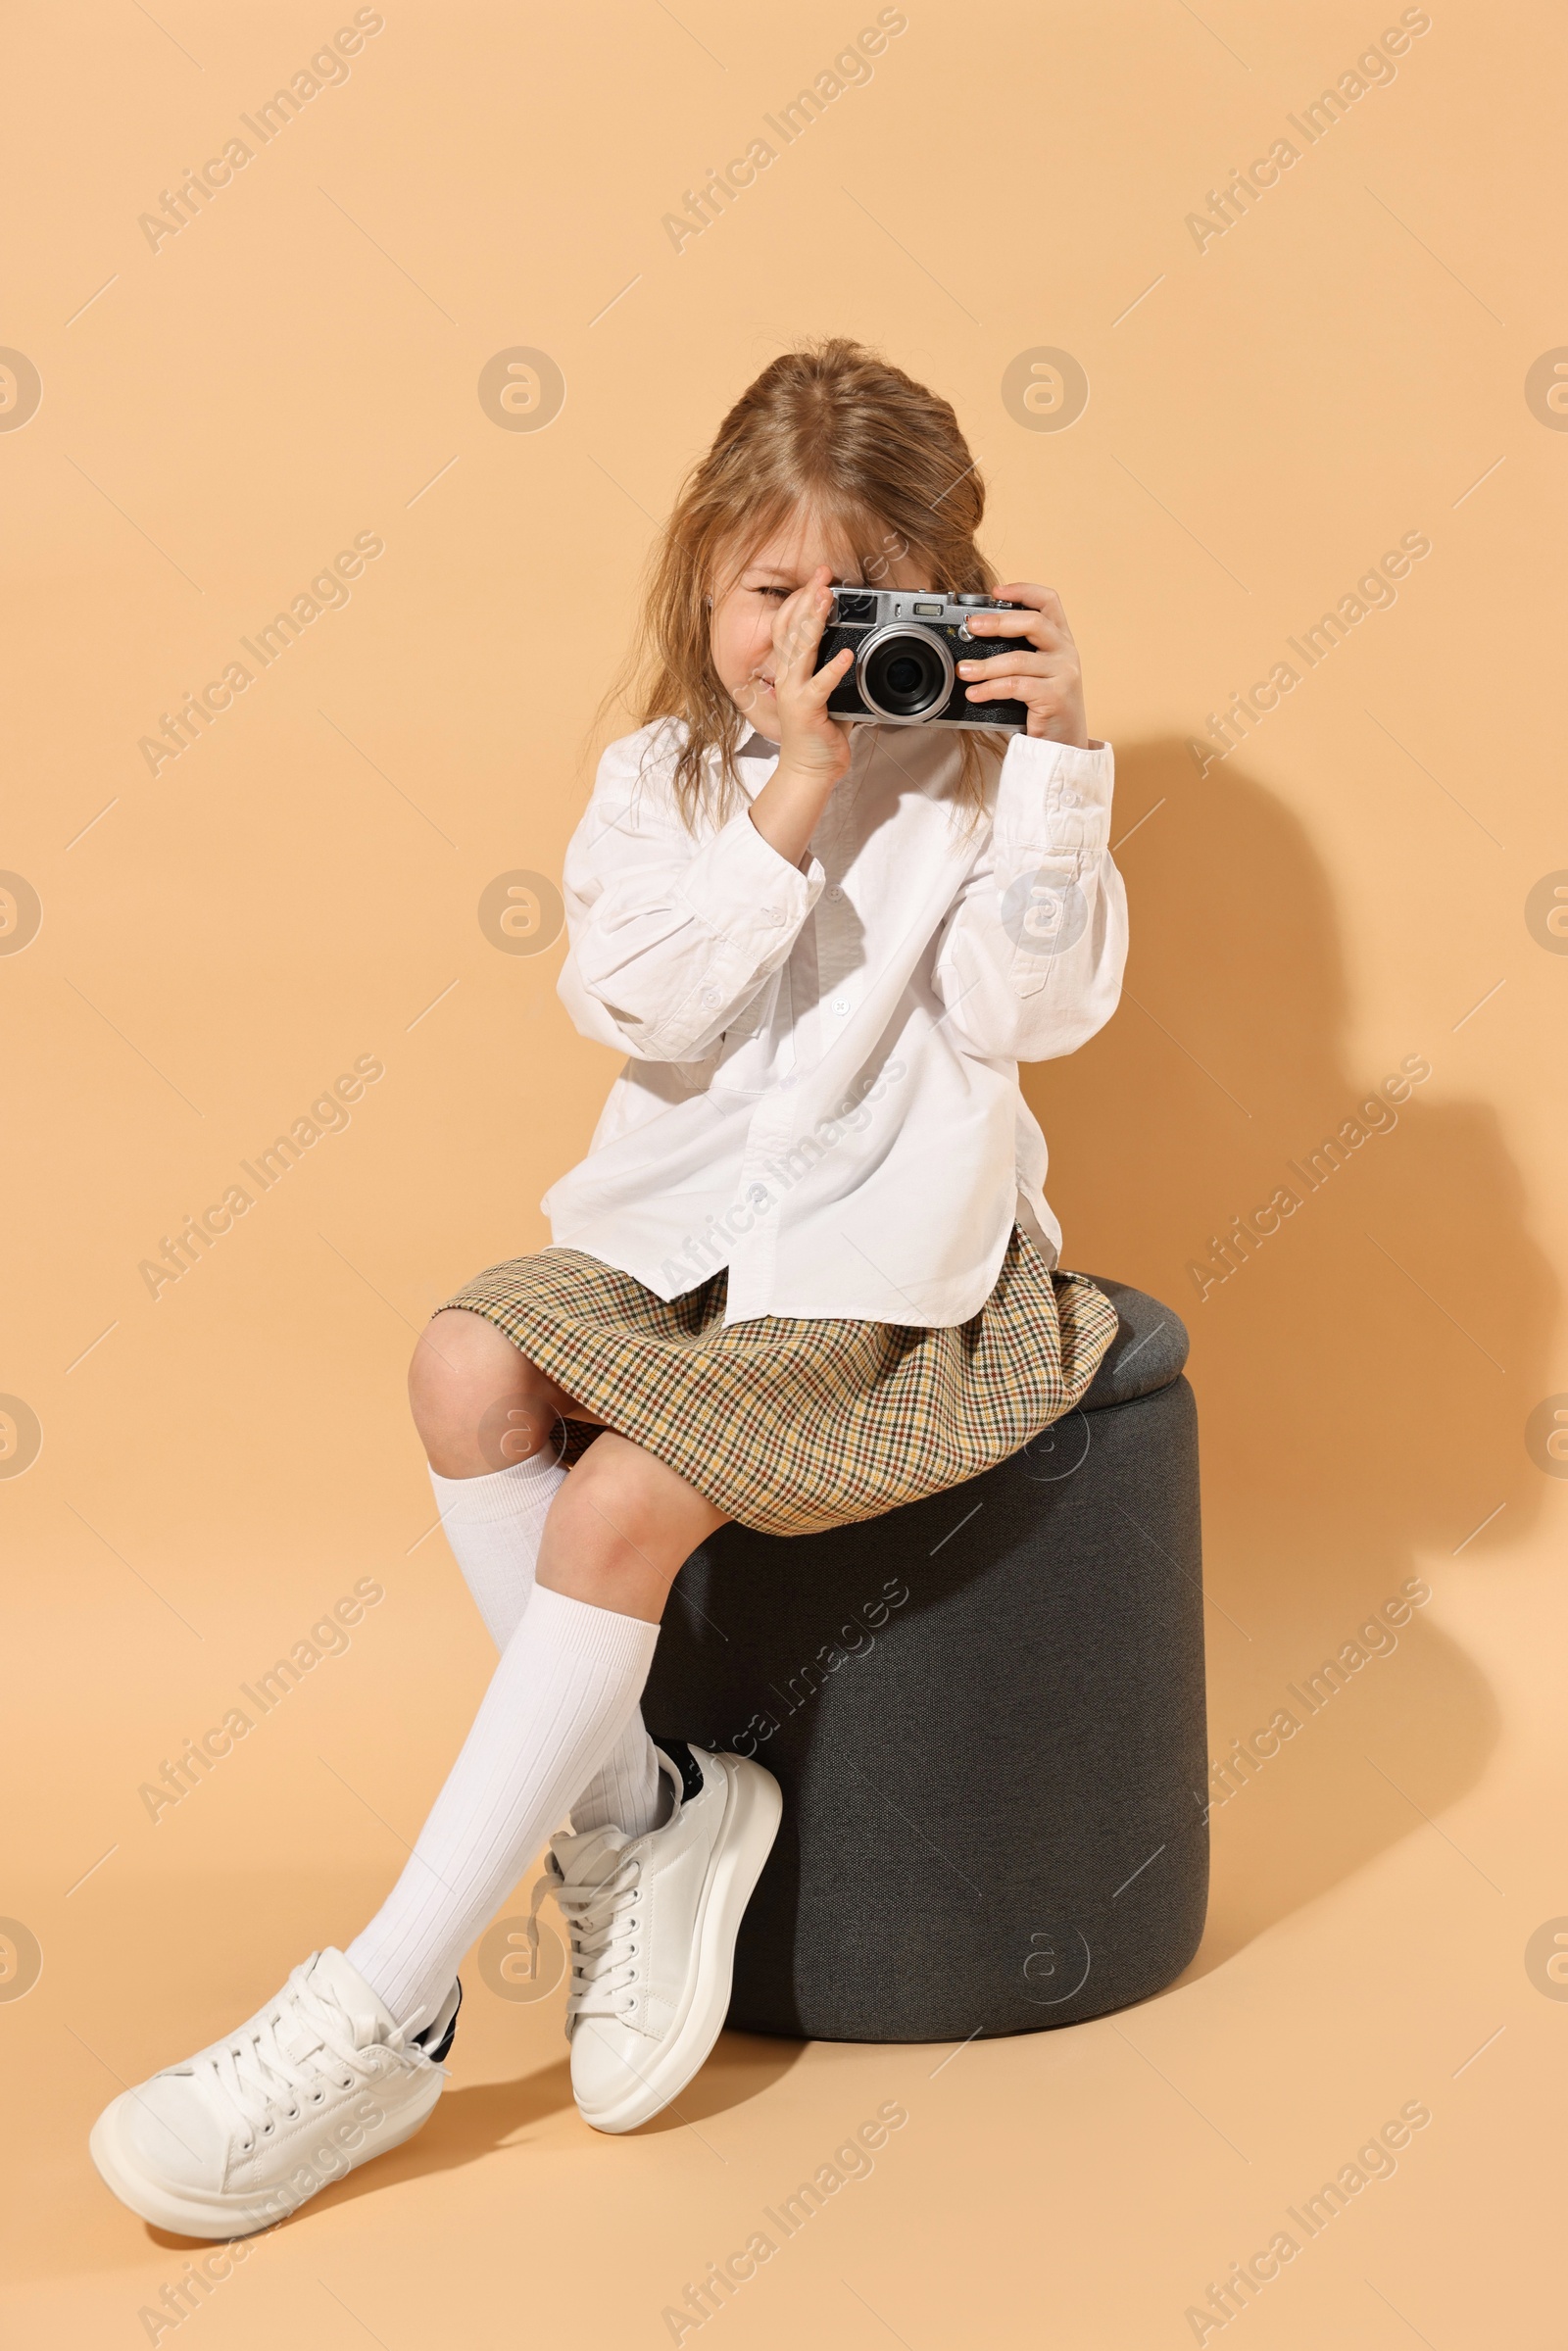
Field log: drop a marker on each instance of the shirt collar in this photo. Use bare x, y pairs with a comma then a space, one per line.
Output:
754, 761
758, 755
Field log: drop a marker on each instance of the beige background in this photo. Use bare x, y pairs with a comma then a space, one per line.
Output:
218, 942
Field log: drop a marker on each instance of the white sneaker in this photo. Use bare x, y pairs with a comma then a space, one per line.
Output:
239, 2135
653, 1922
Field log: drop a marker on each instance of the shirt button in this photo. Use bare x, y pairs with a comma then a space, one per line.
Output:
771, 917
710, 996
834, 891
841, 1003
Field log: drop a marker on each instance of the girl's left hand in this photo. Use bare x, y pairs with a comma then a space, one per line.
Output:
1048, 679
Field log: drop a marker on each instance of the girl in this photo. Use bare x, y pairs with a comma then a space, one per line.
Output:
806, 1273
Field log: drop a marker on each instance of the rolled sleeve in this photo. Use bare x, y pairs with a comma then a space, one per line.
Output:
740, 887
1053, 797
1031, 961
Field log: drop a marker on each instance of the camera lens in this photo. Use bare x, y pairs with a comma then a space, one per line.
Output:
905, 673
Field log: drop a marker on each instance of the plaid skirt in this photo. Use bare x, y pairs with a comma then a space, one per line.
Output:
791, 1424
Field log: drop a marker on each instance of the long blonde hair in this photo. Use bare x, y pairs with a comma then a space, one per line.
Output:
838, 427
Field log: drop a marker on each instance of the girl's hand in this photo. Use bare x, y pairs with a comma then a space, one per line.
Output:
1048, 679
813, 750
812, 746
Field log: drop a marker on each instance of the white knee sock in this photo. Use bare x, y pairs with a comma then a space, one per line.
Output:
567, 1681
629, 1791
493, 1525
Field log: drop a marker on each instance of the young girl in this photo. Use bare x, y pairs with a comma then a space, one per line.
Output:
806, 1272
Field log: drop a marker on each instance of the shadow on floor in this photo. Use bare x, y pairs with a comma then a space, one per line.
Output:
476, 2120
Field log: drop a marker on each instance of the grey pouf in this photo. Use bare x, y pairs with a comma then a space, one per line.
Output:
986, 1713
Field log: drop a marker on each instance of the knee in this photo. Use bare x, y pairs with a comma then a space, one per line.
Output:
474, 1397
610, 1500
625, 1513
603, 1542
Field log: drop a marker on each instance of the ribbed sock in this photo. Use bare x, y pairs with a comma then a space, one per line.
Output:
567, 1683
629, 1791
493, 1525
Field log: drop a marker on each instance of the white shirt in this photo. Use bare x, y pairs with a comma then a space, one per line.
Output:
822, 1092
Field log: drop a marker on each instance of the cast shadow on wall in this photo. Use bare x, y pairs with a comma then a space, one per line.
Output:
1364, 1368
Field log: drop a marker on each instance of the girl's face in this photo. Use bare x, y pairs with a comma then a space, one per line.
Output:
747, 598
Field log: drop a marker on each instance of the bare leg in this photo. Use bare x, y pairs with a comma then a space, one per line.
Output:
621, 1529
478, 1403
623, 1524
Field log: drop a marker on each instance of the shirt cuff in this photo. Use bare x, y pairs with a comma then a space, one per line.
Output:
1053, 796
744, 892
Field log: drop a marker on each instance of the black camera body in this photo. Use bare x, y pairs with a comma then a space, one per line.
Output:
908, 644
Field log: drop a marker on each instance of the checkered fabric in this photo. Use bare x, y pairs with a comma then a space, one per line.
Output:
791, 1424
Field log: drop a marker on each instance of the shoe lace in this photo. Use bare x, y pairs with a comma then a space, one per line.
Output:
602, 1922
298, 2048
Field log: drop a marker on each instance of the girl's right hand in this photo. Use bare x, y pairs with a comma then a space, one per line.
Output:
812, 747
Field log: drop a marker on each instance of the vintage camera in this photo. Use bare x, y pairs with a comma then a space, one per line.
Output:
907, 648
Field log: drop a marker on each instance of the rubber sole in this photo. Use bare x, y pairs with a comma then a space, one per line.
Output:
744, 1846
184, 2213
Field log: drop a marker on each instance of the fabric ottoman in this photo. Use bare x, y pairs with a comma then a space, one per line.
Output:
986, 1713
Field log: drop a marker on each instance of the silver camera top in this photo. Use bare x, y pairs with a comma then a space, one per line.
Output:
883, 604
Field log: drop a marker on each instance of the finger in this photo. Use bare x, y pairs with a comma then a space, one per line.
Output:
1002, 665
1021, 685
1040, 692
1038, 627
1030, 592
797, 655
820, 684
811, 592
798, 628
790, 611
1043, 604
